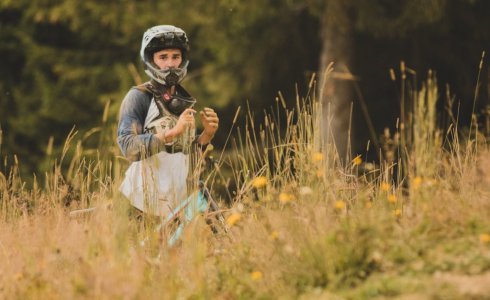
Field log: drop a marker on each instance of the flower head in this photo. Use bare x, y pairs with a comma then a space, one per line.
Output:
357, 160
417, 181
392, 198
256, 275
385, 186
233, 219
484, 238
274, 235
339, 205
259, 182
317, 156
285, 197
397, 212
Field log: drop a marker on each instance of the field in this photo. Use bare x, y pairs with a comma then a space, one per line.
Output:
303, 222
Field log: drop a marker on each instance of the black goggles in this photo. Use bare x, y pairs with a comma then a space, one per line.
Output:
169, 39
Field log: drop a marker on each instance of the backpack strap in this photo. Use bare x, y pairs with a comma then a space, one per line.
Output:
149, 89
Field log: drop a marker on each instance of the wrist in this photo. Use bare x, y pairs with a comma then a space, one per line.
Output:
205, 137
207, 134
166, 136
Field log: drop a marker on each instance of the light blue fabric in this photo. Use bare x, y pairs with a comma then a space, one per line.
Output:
192, 205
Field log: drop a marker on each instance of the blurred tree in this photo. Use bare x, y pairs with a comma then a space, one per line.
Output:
341, 22
62, 61
66, 59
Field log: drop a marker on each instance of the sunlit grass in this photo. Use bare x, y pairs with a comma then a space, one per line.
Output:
302, 224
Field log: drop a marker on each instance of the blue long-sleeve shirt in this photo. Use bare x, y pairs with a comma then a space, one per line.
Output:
133, 142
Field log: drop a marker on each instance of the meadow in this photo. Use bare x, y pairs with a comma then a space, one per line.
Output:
303, 221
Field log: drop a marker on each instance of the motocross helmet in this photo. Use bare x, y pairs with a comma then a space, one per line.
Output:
163, 37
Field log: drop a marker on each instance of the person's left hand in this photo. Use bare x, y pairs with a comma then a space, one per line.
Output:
210, 121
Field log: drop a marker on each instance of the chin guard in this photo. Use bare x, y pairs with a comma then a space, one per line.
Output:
172, 78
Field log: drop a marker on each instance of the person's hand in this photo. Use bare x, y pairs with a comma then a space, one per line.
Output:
186, 120
210, 121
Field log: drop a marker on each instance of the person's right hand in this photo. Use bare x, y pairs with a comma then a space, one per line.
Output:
186, 120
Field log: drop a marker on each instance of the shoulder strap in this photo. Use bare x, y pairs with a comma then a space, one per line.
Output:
150, 89
145, 88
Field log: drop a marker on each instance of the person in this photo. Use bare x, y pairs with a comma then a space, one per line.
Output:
156, 127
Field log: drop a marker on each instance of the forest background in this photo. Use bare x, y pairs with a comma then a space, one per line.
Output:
64, 62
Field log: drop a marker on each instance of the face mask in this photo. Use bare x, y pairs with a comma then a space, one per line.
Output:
172, 78
168, 76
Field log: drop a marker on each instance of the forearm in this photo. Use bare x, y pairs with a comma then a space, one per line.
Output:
204, 138
168, 136
133, 142
139, 146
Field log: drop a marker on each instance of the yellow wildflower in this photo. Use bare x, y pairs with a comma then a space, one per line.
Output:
391, 198
417, 181
256, 275
397, 212
319, 173
339, 205
233, 219
259, 182
317, 156
484, 238
274, 235
369, 204
285, 197
357, 160
385, 186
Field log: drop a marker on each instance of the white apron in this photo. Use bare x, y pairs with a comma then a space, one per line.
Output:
156, 184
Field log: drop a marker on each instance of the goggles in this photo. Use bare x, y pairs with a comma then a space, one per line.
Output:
168, 40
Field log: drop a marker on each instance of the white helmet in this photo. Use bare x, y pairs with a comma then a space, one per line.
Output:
162, 37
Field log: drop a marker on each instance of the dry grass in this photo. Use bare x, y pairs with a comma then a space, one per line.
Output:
302, 224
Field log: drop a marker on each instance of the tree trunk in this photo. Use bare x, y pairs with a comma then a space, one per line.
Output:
335, 95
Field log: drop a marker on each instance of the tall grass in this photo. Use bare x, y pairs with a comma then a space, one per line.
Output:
302, 223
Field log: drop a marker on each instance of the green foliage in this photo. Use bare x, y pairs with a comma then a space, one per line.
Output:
66, 60
62, 61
